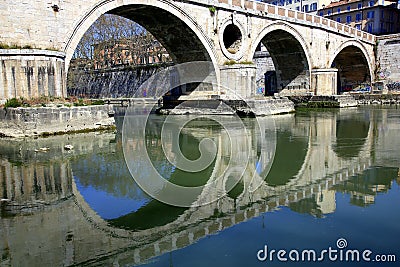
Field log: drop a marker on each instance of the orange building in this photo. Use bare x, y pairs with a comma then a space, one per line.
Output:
126, 52
373, 16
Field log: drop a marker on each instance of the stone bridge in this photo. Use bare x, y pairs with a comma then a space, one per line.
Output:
311, 54
84, 237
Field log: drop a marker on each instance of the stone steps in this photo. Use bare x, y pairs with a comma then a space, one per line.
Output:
338, 101
259, 107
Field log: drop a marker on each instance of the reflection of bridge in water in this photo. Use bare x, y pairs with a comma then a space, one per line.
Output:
56, 212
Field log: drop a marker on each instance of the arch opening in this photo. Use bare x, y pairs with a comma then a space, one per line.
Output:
284, 66
181, 42
353, 70
232, 38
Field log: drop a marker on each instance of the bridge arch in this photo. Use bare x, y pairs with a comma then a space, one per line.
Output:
150, 14
349, 57
290, 54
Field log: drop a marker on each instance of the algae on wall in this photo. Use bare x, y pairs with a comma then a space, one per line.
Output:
111, 83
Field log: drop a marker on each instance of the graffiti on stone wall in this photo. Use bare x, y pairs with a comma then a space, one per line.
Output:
383, 74
394, 86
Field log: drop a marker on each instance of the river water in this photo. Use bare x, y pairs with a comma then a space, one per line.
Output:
323, 187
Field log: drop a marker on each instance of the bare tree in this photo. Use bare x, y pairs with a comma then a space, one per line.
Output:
113, 38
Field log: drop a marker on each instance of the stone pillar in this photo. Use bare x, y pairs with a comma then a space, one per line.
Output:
31, 73
238, 80
324, 81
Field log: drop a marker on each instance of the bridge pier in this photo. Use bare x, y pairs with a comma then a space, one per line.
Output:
31, 73
238, 80
324, 81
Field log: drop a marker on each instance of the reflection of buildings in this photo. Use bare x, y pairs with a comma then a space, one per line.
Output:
364, 187
377, 17
30, 186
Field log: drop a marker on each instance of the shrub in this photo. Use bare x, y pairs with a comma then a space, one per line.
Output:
230, 62
79, 103
97, 102
212, 9
13, 103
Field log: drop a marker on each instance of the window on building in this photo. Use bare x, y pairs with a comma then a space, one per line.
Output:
348, 19
314, 6
370, 14
305, 8
359, 6
274, 3
371, 3
382, 14
289, 2
358, 27
297, 8
329, 12
348, 8
338, 10
321, 13
370, 27
383, 29
358, 17
338, 19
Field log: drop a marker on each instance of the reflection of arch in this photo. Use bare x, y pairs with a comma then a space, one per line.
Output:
353, 62
151, 14
201, 221
287, 165
351, 135
290, 54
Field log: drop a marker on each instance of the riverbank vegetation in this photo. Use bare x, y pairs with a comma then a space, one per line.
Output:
50, 101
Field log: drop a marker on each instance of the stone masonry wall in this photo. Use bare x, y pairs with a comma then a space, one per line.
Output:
31, 73
21, 122
388, 66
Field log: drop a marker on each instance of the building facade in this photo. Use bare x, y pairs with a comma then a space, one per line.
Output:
309, 6
373, 16
118, 53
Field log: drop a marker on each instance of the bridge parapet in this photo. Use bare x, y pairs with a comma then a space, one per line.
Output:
293, 16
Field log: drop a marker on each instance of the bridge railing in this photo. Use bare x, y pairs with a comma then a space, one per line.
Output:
288, 14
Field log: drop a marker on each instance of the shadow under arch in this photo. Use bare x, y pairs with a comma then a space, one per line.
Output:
354, 67
290, 56
176, 30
